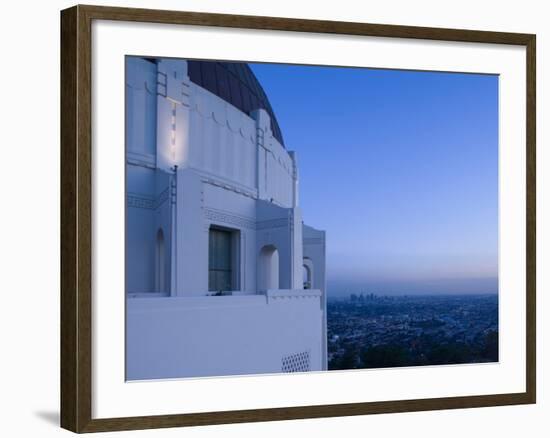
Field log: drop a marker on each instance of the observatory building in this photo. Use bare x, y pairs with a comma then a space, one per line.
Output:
222, 276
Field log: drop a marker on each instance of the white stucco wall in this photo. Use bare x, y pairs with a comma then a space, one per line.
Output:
222, 140
314, 253
203, 202
282, 228
216, 336
276, 169
141, 100
173, 94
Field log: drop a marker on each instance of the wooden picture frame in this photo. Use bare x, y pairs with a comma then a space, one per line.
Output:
76, 217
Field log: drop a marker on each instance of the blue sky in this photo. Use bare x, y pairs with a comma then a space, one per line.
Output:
401, 170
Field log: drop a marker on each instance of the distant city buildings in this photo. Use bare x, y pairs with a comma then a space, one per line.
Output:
370, 331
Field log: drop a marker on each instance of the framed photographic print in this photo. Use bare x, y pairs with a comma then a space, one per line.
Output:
269, 218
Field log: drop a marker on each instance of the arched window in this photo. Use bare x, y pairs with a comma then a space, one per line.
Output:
268, 275
160, 263
307, 269
306, 277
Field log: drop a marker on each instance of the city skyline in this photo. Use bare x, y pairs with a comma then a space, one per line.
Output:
400, 168
371, 331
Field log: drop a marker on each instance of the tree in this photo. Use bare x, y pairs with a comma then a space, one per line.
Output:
490, 350
347, 361
384, 356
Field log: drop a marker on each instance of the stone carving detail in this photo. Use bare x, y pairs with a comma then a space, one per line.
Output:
138, 200
226, 217
229, 218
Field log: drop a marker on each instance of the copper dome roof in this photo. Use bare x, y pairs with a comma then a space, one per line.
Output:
235, 83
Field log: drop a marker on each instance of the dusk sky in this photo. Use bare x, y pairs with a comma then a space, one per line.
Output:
401, 170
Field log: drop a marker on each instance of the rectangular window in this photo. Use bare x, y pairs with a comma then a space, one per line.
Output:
221, 259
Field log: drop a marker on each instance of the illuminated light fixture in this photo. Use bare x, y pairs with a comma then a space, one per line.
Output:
173, 133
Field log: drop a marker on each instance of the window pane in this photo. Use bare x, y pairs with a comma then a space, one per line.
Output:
219, 260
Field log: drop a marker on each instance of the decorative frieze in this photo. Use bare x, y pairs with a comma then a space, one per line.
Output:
140, 200
288, 295
224, 217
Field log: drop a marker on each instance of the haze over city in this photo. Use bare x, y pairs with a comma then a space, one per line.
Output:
401, 170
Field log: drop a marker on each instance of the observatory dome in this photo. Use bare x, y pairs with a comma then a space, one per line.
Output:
235, 83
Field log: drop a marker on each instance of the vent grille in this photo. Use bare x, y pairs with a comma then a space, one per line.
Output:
296, 363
